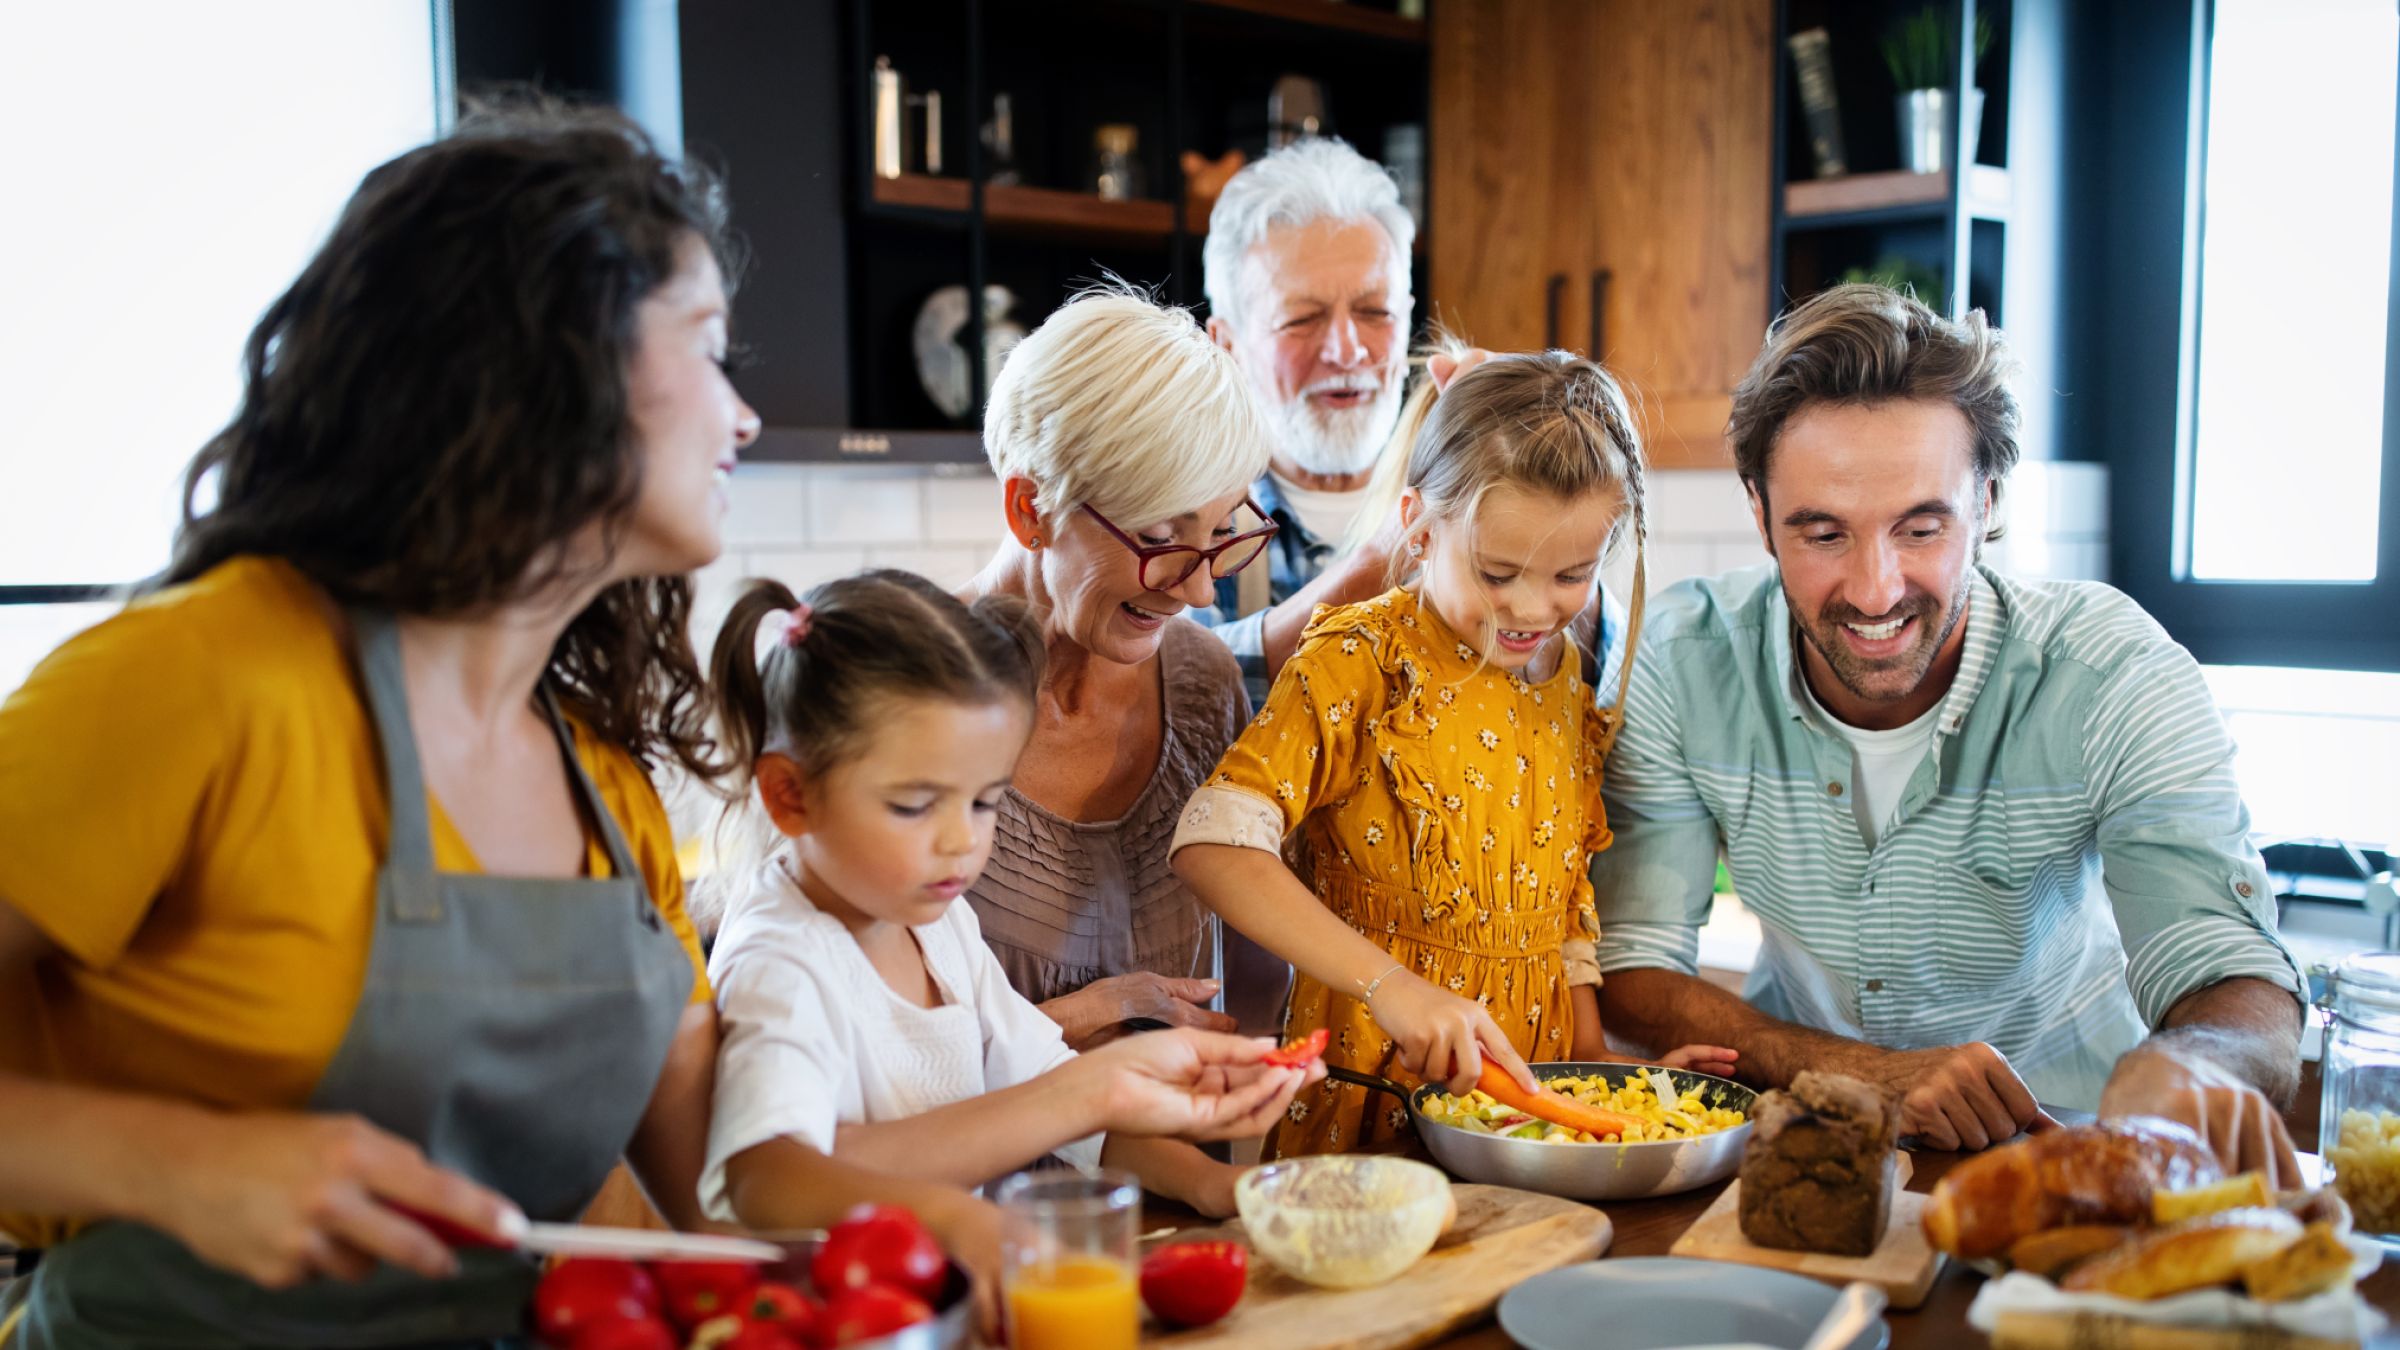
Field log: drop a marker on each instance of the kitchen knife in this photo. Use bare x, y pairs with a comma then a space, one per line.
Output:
575, 1239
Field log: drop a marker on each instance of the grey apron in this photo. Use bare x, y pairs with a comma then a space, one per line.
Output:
512, 1027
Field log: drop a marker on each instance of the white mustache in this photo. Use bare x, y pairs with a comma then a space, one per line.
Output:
1343, 384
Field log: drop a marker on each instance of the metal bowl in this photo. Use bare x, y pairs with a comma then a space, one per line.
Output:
1605, 1171
953, 1321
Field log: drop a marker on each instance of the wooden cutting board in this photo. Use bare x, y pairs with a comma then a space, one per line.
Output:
1501, 1237
1902, 1265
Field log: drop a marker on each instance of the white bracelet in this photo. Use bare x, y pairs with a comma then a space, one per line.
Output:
1377, 983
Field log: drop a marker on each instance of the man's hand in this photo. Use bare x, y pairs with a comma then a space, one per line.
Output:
1957, 1096
2233, 1118
1442, 367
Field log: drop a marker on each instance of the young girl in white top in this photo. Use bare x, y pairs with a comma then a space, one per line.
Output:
864, 1018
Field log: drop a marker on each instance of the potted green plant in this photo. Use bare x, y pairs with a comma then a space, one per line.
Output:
1922, 51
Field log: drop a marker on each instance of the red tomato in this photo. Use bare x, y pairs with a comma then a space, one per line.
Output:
638, 1333
876, 1310
1301, 1053
781, 1303
880, 1244
765, 1336
699, 1290
576, 1295
1192, 1284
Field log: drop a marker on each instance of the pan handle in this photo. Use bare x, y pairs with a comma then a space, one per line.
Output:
1368, 1081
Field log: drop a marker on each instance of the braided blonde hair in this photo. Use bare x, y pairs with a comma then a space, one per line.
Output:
1548, 422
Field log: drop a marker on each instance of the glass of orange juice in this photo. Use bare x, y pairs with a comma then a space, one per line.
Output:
1068, 1254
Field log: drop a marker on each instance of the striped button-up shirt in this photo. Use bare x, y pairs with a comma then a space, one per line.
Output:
2071, 857
1295, 557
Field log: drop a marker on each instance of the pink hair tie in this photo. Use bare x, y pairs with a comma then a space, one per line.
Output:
782, 628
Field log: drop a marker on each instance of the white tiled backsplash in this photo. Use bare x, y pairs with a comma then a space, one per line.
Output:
806, 523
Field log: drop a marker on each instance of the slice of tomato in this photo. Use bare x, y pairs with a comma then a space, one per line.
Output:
1301, 1053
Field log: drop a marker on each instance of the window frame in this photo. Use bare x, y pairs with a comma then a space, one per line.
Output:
2333, 625
440, 31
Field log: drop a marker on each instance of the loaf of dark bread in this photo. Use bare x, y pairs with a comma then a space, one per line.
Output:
1819, 1170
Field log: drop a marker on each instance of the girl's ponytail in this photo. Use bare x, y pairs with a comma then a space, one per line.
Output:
737, 681
1391, 471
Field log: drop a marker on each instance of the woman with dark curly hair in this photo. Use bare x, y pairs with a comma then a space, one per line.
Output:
332, 884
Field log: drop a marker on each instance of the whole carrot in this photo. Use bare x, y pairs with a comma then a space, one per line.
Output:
1495, 1083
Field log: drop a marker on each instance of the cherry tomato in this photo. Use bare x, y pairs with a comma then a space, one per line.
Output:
637, 1333
1191, 1284
766, 1336
782, 1306
579, 1294
876, 1310
880, 1244
699, 1290
1301, 1053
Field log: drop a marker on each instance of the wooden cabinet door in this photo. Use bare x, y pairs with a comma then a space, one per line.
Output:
1624, 146
1511, 190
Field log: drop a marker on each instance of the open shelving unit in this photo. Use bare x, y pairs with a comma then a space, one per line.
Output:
1939, 229
1986, 239
783, 94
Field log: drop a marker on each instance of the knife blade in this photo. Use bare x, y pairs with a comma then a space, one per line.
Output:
574, 1239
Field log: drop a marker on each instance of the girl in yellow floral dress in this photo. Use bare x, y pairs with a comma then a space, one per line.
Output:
1432, 760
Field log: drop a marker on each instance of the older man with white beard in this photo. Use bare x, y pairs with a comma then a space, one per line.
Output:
1307, 273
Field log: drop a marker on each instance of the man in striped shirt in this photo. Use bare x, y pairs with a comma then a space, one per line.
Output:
1989, 828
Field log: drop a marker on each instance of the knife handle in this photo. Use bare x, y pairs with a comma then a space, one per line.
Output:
450, 1231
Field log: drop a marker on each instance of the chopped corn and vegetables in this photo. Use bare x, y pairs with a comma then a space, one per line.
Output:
1688, 1115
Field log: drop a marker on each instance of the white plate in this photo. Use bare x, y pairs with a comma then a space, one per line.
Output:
1657, 1302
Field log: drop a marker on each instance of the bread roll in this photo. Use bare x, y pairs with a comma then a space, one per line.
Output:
2319, 1261
2086, 1174
2054, 1251
2195, 1254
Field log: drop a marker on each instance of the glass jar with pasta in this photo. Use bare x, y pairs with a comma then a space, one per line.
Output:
2360, 1129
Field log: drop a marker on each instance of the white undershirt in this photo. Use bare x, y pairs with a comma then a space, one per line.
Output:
1881, 763
1325, 515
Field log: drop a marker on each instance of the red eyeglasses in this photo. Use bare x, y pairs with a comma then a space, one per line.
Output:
1165, 566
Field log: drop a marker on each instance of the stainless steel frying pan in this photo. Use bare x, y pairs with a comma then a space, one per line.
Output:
1603, 1171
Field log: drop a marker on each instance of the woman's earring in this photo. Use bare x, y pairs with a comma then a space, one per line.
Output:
1415, 549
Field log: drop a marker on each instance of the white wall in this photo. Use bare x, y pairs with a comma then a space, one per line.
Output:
806, 523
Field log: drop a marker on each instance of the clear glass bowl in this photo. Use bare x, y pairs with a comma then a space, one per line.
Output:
1344, 1221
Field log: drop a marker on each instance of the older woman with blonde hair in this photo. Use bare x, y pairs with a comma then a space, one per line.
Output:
1125, 443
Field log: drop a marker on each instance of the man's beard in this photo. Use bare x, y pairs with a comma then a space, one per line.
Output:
1340, 442
1897, 676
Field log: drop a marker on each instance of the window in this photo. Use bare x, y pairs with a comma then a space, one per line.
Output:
188, 161
2257, 509
2288, 426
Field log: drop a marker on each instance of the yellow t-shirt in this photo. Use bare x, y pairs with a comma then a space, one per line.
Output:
192, 808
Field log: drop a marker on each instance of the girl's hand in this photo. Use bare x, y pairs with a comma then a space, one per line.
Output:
281, 1198
1442, 1037
1710, 1059
1088, 1014
1192, 1084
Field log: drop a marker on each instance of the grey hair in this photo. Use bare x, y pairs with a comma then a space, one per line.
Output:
1320, 178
